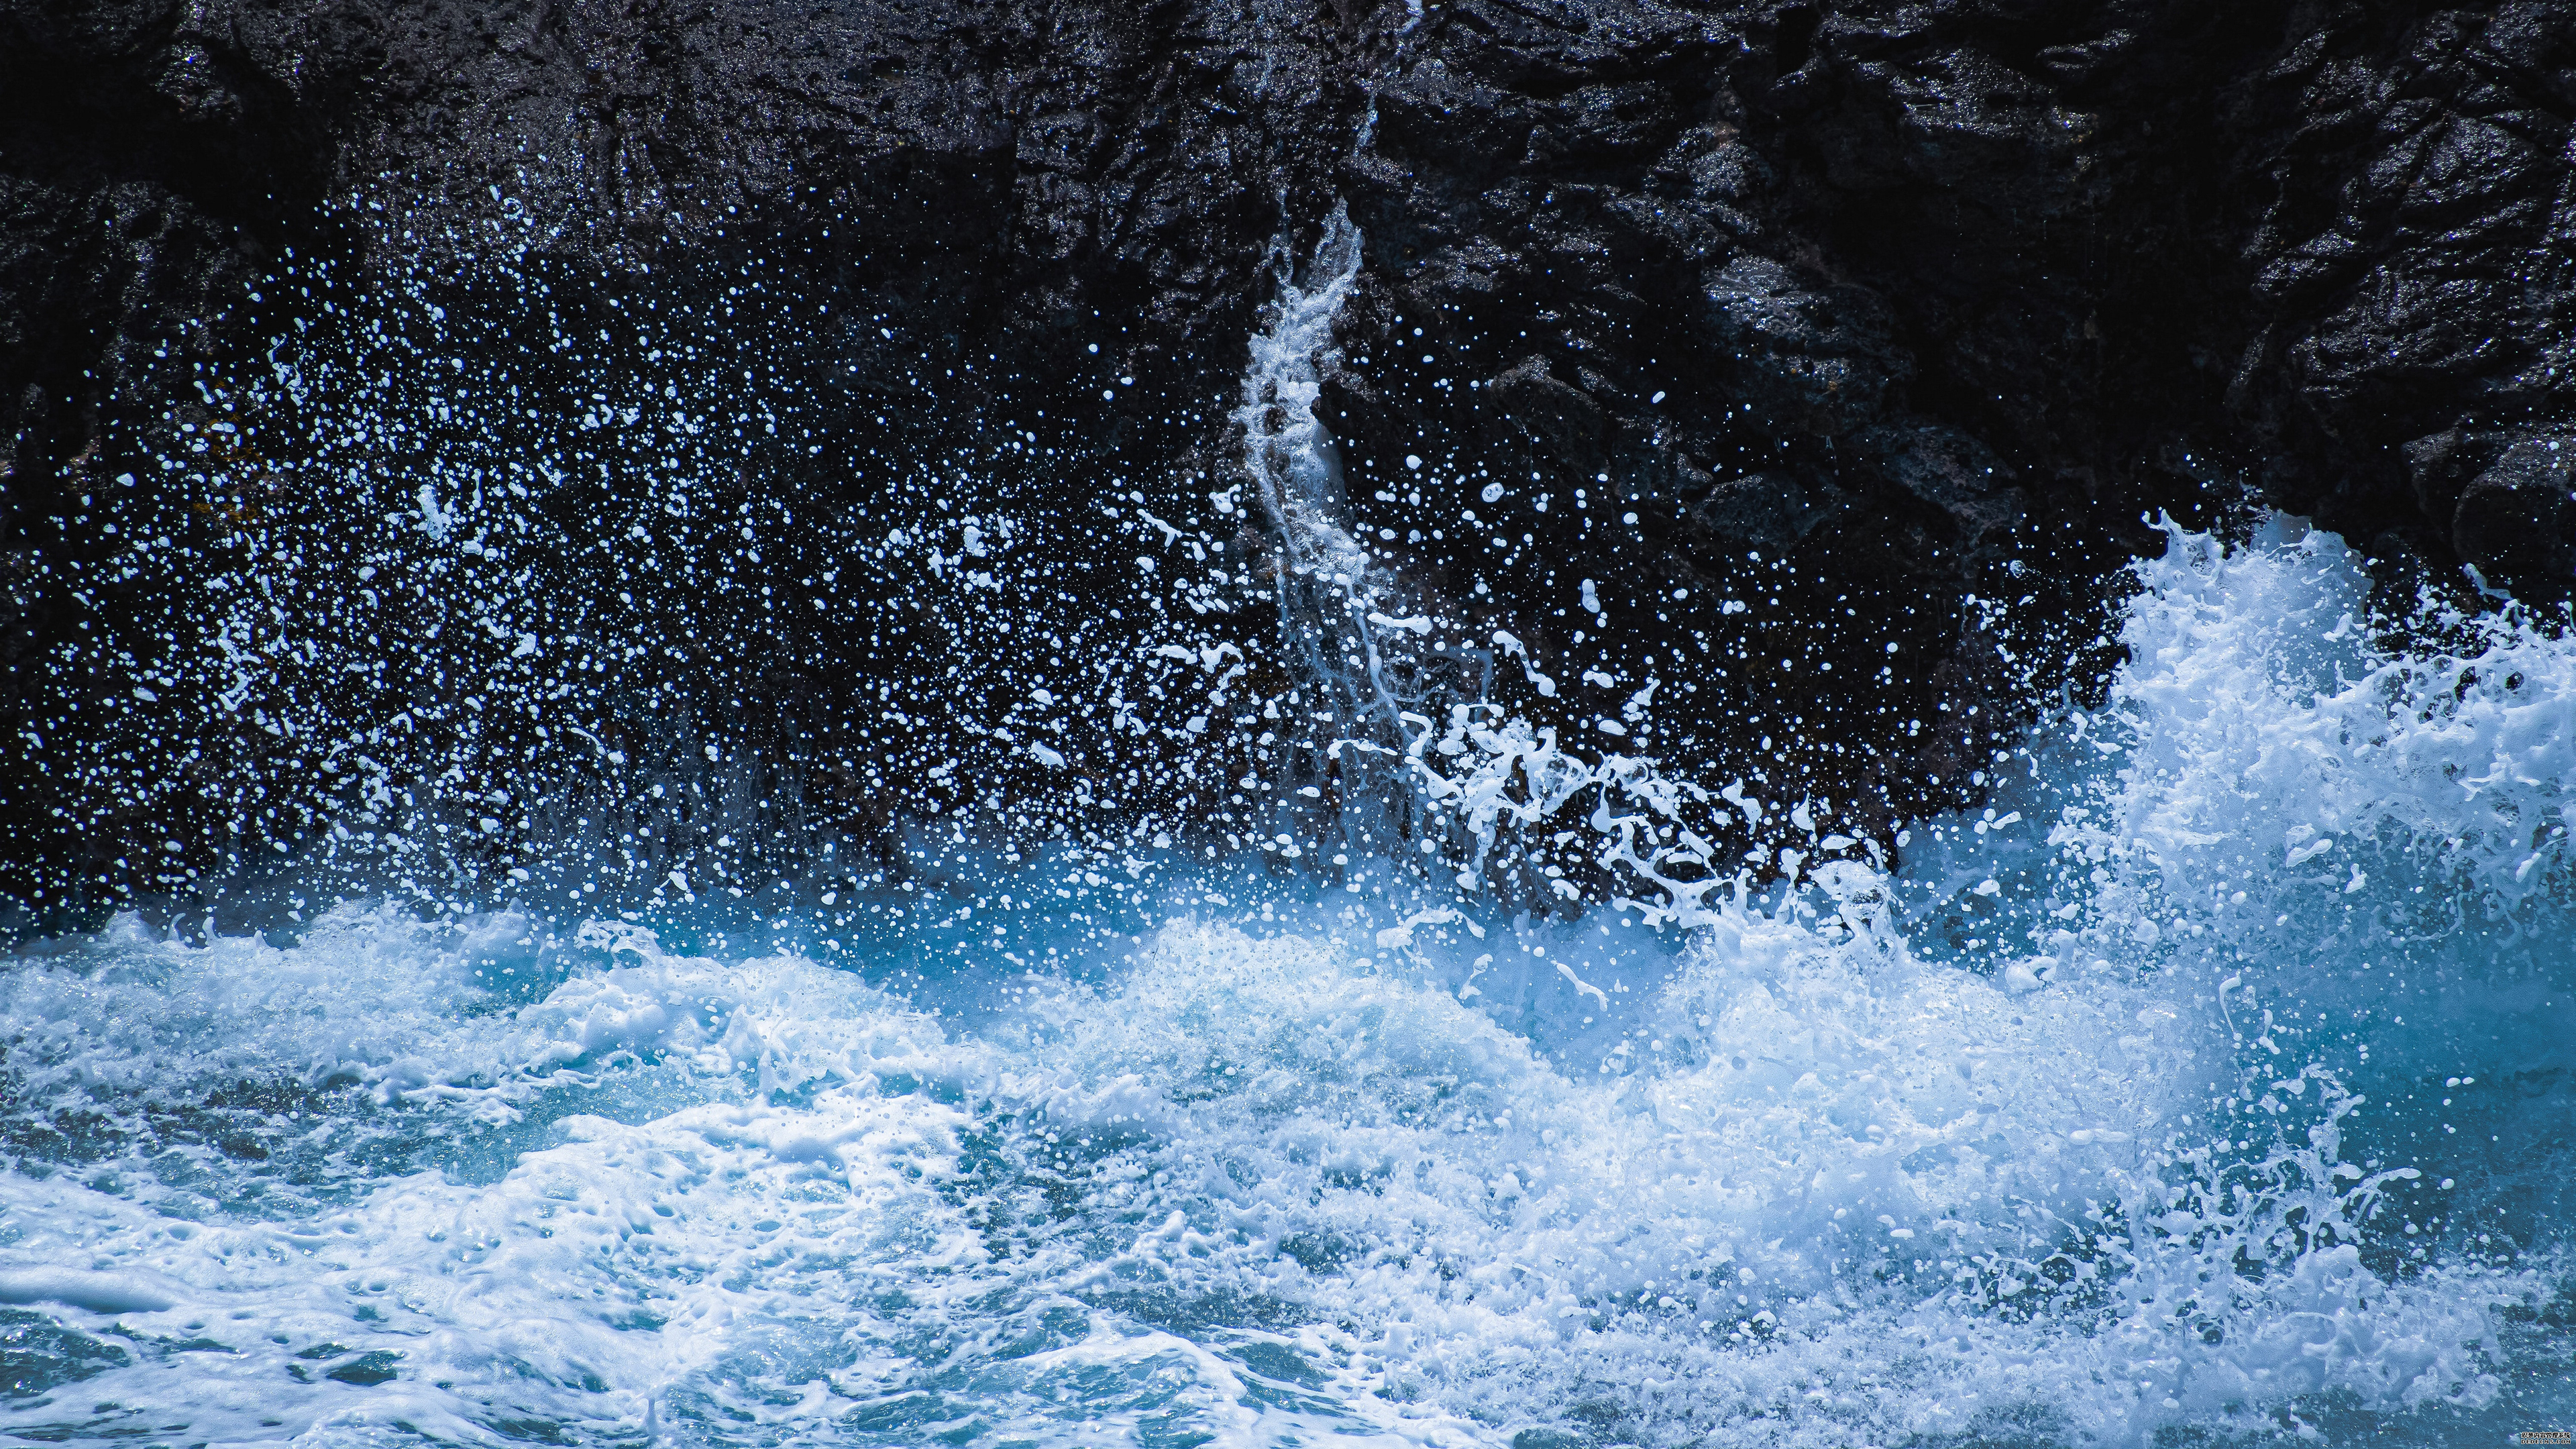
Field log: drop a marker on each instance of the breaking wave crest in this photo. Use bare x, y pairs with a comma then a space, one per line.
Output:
2212, 1079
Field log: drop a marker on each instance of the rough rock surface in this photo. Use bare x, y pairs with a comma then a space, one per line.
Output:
1904, 293
2407, 221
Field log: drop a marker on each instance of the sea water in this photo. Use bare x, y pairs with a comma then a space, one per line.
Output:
2211, 1084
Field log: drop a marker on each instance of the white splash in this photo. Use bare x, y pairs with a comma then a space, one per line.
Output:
1287, 450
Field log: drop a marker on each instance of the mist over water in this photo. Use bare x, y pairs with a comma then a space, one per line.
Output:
1274, 1011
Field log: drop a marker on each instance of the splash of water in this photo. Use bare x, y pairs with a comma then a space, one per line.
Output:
2148, 1099
1416, 747
1314, 1162
1288, 453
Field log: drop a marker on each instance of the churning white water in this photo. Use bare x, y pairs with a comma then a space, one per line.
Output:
2211, 1084
2215, 1080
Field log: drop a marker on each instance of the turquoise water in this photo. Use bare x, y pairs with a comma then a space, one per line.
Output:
2212, 1085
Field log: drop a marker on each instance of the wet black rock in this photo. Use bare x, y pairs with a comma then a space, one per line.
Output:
2407, 223
1868, 308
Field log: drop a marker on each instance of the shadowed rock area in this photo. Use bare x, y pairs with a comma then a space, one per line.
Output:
1847, 312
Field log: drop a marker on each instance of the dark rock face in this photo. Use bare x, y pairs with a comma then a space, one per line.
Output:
1911, 301
2406, 224
2022, 266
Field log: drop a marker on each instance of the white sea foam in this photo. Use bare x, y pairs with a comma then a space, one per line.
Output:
2161, 1151
2211, 1081
1403, 1176
1248, 1187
